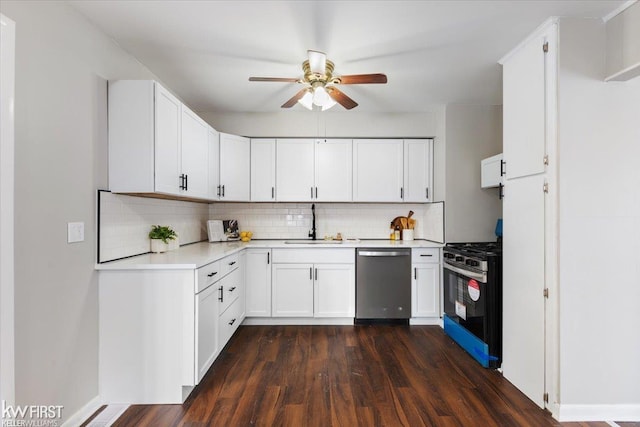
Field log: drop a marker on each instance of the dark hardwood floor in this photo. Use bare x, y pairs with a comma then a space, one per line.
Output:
347, 376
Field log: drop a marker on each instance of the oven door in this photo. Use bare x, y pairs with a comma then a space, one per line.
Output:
465, 296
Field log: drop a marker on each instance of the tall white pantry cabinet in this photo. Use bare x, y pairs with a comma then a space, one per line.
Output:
561, 300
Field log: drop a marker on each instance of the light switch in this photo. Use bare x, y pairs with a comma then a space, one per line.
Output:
75, 232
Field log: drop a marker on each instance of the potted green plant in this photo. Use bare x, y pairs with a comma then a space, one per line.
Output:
162, 238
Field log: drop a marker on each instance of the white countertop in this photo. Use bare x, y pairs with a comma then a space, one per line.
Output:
199, 254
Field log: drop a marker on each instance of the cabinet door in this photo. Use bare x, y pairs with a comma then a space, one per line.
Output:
491, 171
167, 142
425, 290
524, 83
258, 283
214, 164
418, 170
333, 170
523, 281
235, 168
195, 154
292, 290
206, 330
334, 290
294, 173
378, 170
263, 170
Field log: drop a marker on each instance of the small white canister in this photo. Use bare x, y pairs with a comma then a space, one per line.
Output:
407, 234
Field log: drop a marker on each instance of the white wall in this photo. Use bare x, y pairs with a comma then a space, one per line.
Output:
599, 220
473, 133
62, 67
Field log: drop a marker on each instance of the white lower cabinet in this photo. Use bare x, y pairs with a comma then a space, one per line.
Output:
425, 282
258, 283
161, 330
334, 290
313, 283
292, 290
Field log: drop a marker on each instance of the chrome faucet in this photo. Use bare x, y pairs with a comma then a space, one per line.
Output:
312, 233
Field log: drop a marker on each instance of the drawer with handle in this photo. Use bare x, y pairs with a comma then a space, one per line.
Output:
207, 275
425, 255
230, 320
229, 289
229, 263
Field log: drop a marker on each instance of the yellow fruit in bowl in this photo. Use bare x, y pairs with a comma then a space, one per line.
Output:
243, 234
245, 239
249, 234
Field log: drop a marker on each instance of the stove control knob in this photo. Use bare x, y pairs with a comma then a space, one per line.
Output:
448, 255
459, 258
472, 262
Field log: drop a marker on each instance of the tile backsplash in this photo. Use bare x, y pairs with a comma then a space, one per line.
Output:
125, 221
361, 220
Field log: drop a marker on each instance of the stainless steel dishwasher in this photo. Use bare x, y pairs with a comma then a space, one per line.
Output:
383, 285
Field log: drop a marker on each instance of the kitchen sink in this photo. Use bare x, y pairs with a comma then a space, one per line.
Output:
313, 242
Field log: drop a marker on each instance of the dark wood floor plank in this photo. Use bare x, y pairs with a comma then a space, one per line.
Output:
348, 376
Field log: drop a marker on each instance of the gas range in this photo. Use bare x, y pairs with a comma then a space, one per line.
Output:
473, 255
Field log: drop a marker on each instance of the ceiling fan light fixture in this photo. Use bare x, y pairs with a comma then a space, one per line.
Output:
321, 97
307, 100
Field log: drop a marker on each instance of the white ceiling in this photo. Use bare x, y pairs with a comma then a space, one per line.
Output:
433, 52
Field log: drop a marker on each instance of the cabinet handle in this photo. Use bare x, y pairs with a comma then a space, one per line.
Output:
268, 257
181, 186
316, 192
273, 192
503, 169
500, 191
221, 297
232, 321
186, 182
401, 192
426, 255
218, 194
232, 263
310, 273
316, 274
312, 192
415, 273
231, 289
427, 192
223, 191
212, 274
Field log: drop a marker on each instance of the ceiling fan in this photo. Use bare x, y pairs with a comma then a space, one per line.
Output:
320, 84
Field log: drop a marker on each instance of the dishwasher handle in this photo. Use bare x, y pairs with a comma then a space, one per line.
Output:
384, 253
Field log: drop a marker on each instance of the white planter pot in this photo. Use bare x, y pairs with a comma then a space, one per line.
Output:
158, 246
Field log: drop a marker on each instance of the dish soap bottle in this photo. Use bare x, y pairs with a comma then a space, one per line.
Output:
397, 233
392, 233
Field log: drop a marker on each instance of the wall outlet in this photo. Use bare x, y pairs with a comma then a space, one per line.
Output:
75, 232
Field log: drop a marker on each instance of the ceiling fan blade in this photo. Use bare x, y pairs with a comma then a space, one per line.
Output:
317, 61
274, 79
341, 98
358, 79
291, 102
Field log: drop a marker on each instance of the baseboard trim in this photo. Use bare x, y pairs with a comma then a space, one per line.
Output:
622, 412
259, 321
432, 321
83, 413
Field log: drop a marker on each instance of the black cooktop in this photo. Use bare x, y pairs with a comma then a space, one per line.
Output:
479, 249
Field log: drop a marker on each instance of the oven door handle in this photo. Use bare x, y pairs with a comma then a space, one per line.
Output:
481, 277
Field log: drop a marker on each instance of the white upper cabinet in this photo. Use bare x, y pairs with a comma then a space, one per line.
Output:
524, 110
214, 164
167, 142
195, 155
491, 171
156, 144
418, 175
295, 170
378, 170
235, 168
333, 170
263, 170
